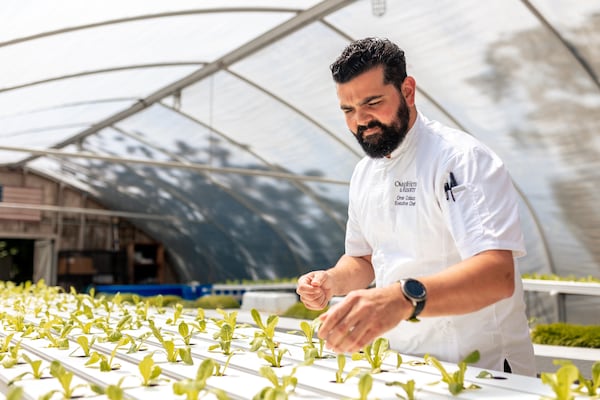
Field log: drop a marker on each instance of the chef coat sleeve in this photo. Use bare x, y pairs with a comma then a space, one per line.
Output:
482, 210
355, 245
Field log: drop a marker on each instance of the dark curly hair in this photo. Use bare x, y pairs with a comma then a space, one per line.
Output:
364, 54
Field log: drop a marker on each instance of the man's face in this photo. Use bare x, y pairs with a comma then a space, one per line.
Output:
389, 137
376, 113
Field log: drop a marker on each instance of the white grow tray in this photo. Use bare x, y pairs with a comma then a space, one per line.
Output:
242, 379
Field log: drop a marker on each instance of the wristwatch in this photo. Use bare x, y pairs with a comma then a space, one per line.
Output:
415, 292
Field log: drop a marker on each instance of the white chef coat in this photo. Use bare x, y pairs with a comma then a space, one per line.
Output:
400, 214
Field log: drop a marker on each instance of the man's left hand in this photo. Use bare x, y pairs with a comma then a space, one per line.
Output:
363, 316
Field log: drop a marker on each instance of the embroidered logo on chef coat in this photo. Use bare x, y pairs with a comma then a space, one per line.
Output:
405, 195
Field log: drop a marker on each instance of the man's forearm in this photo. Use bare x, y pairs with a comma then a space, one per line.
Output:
351, 273
470, 285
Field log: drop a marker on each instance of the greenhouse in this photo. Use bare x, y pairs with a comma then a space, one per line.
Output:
201, 143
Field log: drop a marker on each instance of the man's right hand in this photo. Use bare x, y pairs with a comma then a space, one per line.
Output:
315, 289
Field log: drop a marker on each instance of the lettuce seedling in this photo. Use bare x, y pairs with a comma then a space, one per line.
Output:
15, 393
158, 304
593, 384
375, 353
456, 380
85, 345
568, 374
36, 372
310, 350
339, 374
11, 358
224, 335
282, 387
112, 392
194, 388
141, 308
5, 344
176, 314
562, 381
16, 322
149, 371
106, 364
173, 353
365, 384
65, 379
266, 336
200, 320
408, 387
86, 327
138, 344
185, 332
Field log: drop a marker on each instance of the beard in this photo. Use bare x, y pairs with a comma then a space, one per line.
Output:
381, 144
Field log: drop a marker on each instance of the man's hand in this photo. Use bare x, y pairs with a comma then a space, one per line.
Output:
363, 316
315, 289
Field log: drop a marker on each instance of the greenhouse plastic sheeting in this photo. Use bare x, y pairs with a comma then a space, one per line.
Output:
222, 116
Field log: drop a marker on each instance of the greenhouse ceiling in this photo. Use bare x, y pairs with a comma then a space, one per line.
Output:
217, 121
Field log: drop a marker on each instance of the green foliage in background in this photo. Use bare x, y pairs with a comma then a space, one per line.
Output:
215, 301
568, 278
300, 311
208, 302
563, 334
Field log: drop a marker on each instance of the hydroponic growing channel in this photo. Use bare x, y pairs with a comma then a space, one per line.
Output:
68, 345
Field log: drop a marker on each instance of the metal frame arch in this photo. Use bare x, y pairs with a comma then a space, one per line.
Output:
306, 16
102, 71
302, 188
234, 196
115, 21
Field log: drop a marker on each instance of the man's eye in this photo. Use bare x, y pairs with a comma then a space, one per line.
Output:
373, 103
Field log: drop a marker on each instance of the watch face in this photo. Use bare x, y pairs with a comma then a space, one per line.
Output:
415, 289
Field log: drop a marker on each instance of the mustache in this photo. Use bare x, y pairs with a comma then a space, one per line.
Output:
360, 129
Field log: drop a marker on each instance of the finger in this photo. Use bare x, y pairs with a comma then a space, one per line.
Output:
318, 280
357, 337
335, 323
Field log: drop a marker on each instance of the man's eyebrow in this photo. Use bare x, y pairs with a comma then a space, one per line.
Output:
366, 100
370, 99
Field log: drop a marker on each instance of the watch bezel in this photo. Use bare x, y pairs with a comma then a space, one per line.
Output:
409, 286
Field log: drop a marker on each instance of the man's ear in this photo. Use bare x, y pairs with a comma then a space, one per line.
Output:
409, 87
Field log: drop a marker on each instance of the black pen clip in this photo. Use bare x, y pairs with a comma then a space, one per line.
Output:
448, 187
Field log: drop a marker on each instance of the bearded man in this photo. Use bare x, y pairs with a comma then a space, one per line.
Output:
433, 220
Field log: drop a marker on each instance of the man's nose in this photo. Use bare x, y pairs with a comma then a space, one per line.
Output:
363, 118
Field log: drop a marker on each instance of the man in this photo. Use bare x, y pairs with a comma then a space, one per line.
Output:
432, 218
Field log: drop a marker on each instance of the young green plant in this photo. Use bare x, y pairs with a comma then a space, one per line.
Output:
339, 374
310, 350
196, 388
224, 335
564, 379
592, 384
408, 387
150, 372
456, 380
106, 363
37, 372
375, 354
65, 378
85, 345
112, 392
265, 336
281, 387
365, 384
